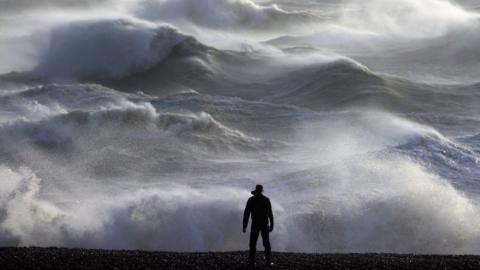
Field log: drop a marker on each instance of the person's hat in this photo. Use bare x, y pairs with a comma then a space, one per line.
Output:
258, 189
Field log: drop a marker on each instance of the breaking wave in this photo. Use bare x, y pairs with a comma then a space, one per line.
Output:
229, 14
111, 48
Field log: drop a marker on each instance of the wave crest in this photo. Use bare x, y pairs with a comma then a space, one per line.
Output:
104, 49
224, 14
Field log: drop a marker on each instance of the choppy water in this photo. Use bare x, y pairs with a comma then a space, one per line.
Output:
144, 124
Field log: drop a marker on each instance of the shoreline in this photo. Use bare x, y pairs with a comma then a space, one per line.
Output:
77, 258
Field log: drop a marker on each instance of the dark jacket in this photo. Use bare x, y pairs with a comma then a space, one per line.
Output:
261, 210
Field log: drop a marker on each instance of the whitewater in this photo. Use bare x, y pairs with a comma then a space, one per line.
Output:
144, 124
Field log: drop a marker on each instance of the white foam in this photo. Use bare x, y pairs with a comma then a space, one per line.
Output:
381, 204
387, 204
25, 218
169, 218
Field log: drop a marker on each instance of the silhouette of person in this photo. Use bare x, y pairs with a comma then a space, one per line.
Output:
259, 207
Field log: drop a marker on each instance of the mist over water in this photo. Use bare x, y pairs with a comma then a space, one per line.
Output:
144, 124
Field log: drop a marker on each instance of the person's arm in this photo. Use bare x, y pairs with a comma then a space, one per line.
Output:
270, 215
246, 215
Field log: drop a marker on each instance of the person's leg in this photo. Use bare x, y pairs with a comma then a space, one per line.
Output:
254, 232
266, 245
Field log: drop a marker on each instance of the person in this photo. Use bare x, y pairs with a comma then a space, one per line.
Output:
259, 207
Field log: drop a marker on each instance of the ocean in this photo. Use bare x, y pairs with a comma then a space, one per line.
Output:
145, 124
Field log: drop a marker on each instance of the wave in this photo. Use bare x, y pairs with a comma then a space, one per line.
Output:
406, 17
473, 142
306, 80
400, 37
153, 218
364, 45
386, 25
50, 100
20, 210
380, 175
108, 48
133, 125
406, 214
227, 14
365, 200
326, 83
70, 96
345, 84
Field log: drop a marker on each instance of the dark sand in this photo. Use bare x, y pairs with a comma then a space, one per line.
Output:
60, 258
